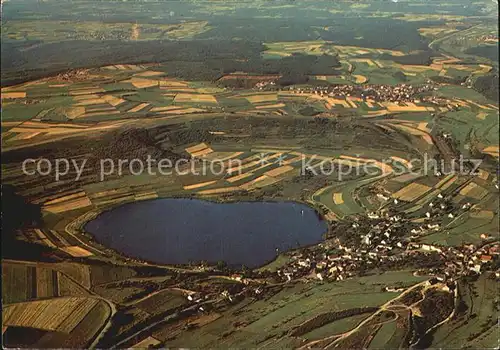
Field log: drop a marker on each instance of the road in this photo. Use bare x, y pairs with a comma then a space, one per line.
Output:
388, 306
121, 343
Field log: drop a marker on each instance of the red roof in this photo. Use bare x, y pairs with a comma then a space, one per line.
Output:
485, 257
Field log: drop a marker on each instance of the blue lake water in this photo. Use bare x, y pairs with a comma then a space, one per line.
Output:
179, 231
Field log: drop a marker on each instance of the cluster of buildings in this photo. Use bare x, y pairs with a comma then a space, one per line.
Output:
261, 85
464, 260
391, 241
75, 74
388, 93
490, 37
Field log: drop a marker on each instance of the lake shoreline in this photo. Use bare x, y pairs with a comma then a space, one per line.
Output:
148, 262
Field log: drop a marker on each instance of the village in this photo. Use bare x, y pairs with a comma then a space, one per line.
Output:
399, 94
378, 93
387, 240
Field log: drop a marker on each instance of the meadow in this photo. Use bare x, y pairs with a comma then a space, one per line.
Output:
221, 82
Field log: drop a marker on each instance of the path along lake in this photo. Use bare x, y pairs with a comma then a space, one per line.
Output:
179, 231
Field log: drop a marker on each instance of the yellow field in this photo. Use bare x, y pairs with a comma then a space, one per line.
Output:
75, 201
405, 177
369, 103
278, 53
66, 198
26, 128
333, 101
411, 192
261, 181
186, 29
423, 126
219, 190
483, 174
376, 113
85, 97
58, 314
196, 148
39, 233
479, 105
279, 171
44, 283
148, 73
464, 191
183, 111
172, 83
95, 114
196, 98
337, 198
86, 91
138, 108
408, 129
360, 79
491, 150
410, 107
222, 156
90, 101
347, 162
262, 166
473, 190
262, 98
450, 182
146, 343
13, 95
239, 177
356, 49
276, 105
298, 157
482, 116
112, 100
418, 69
406, 163
245, 163
364, 60
164, 108
142, 83
75, 112
199, 185
443, 180
24, 136
145, 195
351, 102
202, 153
428, 139
331, 216
482, 214
76, 251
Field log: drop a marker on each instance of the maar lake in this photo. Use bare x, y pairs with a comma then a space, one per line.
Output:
179, 231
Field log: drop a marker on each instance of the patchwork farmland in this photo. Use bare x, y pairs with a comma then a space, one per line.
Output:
374, 115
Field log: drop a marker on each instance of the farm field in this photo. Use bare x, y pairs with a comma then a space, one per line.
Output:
377, 121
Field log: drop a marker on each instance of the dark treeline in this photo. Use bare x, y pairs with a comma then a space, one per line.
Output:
21, 62
19, 215
422, 58
192, 60
385, 33
488, 86
487, 51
